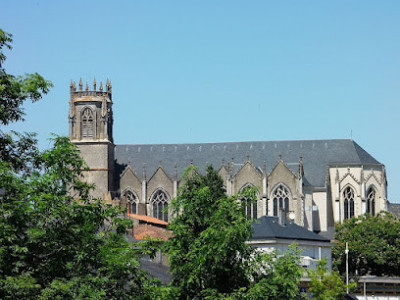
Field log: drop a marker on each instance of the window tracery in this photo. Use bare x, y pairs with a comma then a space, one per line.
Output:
348, 196
250, 206
132, 202
281, 198
87, 123
371, 201
159, 203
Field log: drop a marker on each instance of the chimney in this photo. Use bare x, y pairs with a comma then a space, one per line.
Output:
282, 217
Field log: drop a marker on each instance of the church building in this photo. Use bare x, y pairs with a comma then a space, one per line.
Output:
315, 182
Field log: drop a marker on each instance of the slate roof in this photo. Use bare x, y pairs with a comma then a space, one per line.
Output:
394, 208
156, 270
317, 155
267, 228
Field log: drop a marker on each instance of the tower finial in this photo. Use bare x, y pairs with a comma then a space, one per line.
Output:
80, 84
71, 86
101, 86
87, 86
94, 84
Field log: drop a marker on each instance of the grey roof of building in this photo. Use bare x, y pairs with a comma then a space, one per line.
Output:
394, 208
156, 270
267, 227
317, 155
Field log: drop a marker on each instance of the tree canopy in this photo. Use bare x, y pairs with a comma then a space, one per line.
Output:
18, 149
51, 245
14, 90
374, 245
208, 253
325, 285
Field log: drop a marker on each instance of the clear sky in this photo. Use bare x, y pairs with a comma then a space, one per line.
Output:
219, 71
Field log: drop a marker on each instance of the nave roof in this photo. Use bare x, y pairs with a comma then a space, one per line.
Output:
316, 156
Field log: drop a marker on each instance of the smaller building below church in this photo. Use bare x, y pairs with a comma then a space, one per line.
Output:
274, 233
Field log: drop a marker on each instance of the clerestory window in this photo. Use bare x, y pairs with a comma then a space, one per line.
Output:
371, 201
348, 196
159, 203
250, 205
280, 200
132, 202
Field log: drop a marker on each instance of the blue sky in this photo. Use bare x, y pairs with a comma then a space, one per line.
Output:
208, 71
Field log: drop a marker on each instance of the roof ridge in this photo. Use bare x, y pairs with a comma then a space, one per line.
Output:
234, 142
360, 151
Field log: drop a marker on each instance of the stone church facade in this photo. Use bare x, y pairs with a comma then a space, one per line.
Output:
316, 182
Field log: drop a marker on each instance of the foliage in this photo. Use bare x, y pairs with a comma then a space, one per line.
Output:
61, 247
208, 253
325, 285
374, 245
16, 148
15, 90
51, 245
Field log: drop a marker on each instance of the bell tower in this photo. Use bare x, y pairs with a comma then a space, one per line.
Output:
91, 129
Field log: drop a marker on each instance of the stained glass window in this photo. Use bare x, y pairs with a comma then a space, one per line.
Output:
371, 201
132, 202
348, 196
281, 198
159, 203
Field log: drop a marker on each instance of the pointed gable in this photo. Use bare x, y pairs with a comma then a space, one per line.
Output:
224, 173
129, 180
282, 174
160, 179
248, 173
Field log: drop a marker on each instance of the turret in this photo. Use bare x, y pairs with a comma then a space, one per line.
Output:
91, 129
90, 114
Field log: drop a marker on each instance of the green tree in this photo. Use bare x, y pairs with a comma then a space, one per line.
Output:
208, 254
374, 245
57, 246
15, 90
16, 148
51, 245
327, 285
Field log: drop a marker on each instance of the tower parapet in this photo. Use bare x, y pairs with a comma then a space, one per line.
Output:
80, 92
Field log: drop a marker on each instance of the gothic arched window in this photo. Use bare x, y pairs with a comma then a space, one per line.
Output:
159, 202
87, 123
250, 207
371, 201
348, 196
132, 202
280, 199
